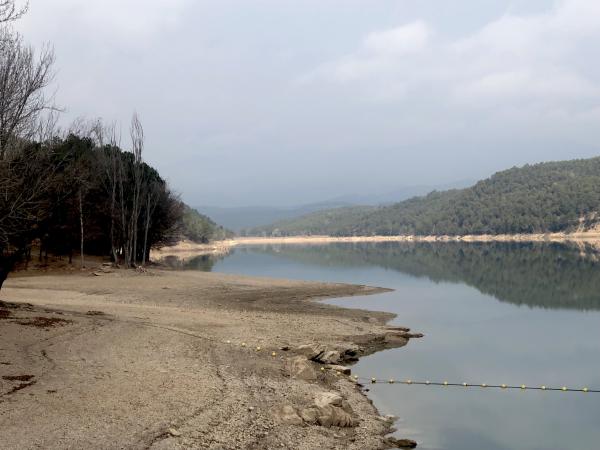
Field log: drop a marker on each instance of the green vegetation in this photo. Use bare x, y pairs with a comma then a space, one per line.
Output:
532, 274
200, 228
547, 197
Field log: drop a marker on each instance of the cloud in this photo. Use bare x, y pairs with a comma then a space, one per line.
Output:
110, 19
532, 60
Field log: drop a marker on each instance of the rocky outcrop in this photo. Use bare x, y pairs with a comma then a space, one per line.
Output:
325, 355
330, 410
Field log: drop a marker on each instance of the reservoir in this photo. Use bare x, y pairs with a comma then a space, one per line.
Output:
492, 313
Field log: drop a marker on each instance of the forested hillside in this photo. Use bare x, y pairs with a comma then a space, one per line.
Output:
200, 228
540, 198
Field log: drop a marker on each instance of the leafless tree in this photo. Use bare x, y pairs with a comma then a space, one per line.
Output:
152, 194
136, 132
24, 78
10, 12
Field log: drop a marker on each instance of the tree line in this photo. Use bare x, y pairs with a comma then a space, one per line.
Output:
74, 191
542, 198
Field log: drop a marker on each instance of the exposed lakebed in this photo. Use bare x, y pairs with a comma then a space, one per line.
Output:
491, 312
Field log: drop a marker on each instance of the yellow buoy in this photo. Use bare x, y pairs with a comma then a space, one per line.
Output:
258, 349
523, 386
543, 388
391, 381
564, 388
465, 384
408, 381
585, 389
483, 385
503, 386
273, 354
428, 382
445, 383
243, 344
322, 369
373, 380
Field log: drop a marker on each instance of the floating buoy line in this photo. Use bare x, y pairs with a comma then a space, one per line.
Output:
409, 382
521, 387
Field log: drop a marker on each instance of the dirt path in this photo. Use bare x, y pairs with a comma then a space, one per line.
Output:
155, 361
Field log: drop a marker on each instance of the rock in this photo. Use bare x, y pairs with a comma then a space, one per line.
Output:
310, 415
401, 443
334, 411
174, 432
329, 357
333, 416
311, 351
341, 369
328, 399
398, 329
397, 339
287, 415
301, 368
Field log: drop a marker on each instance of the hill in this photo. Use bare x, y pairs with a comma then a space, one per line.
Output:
243, 218
547, 197
200, 228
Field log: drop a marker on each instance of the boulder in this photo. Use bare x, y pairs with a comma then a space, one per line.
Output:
334, 411
310, 351
310, 415
300, 367
287, 415
333, 416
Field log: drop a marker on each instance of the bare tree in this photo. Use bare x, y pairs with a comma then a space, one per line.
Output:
108, 141
10, 12
23, 82
137, 147
152, 194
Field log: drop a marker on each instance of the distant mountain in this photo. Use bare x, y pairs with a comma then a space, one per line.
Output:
247, 217
250, 217
540, 198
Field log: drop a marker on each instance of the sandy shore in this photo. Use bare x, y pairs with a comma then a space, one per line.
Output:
189, 249
155, 361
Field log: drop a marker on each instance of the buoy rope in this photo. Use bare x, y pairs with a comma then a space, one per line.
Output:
521, 387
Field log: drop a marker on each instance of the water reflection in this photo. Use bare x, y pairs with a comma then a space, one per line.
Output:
447, 291
533, 274
204, 263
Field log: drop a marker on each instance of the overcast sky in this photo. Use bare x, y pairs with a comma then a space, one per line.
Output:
280, 102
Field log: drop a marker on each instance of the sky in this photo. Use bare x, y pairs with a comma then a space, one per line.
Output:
285, 102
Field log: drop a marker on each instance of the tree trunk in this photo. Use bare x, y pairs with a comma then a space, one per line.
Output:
3, 274
81, 225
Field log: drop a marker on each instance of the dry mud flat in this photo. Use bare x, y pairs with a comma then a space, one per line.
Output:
166, 360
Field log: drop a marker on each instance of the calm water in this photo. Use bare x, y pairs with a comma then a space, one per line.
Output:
494, 313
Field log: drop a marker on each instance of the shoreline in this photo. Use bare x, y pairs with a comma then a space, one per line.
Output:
138, 315
188, 249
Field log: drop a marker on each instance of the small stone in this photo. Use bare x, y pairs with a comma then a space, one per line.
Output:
174, 432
